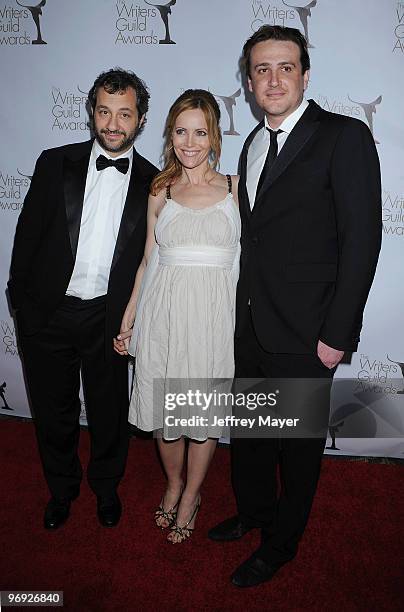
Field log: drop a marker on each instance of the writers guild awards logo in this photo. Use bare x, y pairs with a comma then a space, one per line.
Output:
265, 13
369, 108
334, 429
360, 406
36, 13
399, 29
377, 375
3, 397
229, 102
401, 366
393, 213
165, 11
356, 409
304, 13
9, 339
27, 176
69, 110
13, 190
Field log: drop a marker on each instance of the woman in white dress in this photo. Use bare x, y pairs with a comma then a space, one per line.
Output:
179, 322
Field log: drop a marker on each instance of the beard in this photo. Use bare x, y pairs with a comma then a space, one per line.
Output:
123, 145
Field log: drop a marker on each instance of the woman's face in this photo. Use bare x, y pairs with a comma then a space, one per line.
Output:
190, 138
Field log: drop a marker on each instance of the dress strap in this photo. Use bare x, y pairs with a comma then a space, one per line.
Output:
168, 192
228, 182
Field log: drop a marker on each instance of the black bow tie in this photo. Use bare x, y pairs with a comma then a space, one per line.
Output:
121, 164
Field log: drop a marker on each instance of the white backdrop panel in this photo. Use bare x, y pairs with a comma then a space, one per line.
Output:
357, 54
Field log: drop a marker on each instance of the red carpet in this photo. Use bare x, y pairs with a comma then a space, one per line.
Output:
351, 557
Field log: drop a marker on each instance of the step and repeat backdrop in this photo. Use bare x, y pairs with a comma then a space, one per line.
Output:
51, 51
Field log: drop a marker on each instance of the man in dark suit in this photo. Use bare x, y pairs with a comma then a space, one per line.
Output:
310, 205
79, 240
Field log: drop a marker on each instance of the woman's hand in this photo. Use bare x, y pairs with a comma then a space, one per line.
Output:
121, 342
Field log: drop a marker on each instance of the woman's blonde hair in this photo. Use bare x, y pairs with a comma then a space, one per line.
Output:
189, 100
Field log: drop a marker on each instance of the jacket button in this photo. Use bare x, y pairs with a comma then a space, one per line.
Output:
255, 239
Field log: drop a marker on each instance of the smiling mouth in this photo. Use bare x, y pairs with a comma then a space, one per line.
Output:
189, 153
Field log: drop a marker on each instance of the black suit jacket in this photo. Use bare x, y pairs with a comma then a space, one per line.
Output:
311, 244
47, 233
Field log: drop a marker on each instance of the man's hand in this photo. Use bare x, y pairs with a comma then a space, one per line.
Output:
121, 342
329, 356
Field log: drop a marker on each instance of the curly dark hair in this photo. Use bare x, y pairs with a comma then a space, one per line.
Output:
117, 79
276, 32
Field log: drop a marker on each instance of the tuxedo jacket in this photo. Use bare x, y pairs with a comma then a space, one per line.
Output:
47, 234
310, 245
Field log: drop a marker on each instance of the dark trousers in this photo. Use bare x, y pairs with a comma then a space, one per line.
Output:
281, 509
74, 341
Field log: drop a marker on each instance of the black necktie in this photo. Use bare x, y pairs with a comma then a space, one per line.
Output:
121, 164
270, 158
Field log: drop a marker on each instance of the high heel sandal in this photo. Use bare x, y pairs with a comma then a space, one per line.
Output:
168, 515
184, 532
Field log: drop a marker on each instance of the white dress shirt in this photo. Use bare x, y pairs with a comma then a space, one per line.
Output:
258, 149
104, 201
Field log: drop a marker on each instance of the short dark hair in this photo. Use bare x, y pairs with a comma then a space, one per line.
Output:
276, 32
118, 79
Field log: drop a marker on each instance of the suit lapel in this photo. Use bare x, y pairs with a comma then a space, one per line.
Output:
74, 183
136, 200
242, 186
301, 133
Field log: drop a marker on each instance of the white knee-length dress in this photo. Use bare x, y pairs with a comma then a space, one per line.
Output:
184, 324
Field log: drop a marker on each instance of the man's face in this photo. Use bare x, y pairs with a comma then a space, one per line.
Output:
276, 78
116, 120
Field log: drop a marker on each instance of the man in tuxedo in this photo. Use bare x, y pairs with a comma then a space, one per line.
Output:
79, 240
310, 203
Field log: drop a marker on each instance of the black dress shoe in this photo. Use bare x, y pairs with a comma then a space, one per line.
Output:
109, 510
252, 572
56, 513
229, 530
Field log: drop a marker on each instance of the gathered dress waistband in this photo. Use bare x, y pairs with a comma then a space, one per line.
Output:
219, 257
